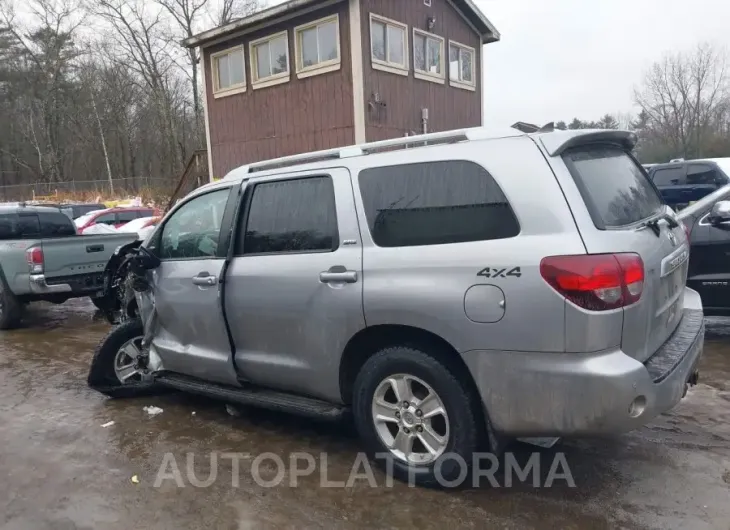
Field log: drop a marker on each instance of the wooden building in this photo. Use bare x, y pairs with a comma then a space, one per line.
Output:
307, 75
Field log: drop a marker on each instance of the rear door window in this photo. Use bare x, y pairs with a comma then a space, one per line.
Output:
56, 225
703, 174
14, 226
106, 219
615, 189
125, 217
435, 203
671, 176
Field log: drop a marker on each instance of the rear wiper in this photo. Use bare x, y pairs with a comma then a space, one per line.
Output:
654, 223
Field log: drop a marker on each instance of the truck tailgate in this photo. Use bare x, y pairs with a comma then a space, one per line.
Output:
70, 256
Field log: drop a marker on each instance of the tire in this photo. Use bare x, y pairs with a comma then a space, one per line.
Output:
99, 303
102, 375
464, 418
10, 308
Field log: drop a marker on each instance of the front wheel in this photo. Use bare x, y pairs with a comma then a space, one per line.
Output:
118, 366
416, 417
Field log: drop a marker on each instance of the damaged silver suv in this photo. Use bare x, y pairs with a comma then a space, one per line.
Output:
451, 291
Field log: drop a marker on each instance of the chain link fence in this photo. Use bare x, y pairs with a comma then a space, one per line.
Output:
76, 188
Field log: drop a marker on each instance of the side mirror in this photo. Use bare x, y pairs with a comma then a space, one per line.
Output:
720, 212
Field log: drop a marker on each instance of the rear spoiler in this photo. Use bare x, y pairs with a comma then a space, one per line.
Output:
557, 142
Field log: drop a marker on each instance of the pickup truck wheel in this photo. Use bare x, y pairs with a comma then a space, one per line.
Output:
412, 410
10, 308
115, 368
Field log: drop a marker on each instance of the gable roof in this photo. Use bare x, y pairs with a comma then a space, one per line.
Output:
292, 8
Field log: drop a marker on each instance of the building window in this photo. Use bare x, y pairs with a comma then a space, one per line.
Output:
269, 60
388, 45
318, 46
428, 56
229, 69
462, 66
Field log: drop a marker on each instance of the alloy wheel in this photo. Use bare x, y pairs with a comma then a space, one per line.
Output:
126, 361
410, 419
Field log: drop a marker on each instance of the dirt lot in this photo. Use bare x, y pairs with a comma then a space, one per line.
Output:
60, 469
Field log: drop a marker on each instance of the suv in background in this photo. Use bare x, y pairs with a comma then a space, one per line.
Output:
452, 290
683, 182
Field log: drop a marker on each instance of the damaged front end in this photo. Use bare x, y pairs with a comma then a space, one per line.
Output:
121, 365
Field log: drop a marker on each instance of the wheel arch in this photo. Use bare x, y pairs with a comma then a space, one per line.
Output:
370, 340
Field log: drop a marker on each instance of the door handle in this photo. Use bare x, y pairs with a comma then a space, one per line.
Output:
94, 248
204, 279
338, 276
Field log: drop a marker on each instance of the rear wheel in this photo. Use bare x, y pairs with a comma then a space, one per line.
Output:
118, 367
411, 409
10, 308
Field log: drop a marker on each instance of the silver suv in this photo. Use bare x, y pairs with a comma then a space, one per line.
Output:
452, 291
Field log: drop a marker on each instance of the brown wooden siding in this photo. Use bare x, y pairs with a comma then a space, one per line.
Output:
449, 107
295, 117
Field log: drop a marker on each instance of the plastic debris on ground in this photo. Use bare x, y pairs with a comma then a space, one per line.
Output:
152, 410
135, 479
108, 424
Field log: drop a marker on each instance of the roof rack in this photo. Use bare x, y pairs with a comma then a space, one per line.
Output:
458, 135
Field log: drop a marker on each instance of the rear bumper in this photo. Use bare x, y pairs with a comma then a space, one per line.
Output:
38, 285
77, 285
549, 394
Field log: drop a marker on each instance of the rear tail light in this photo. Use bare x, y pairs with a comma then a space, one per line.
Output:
597, 282
34, 257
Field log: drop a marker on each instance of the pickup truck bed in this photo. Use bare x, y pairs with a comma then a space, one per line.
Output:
53, 268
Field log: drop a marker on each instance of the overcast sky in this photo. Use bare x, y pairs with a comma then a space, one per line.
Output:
560, 59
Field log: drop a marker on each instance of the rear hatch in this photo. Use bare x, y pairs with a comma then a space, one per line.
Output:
627, 214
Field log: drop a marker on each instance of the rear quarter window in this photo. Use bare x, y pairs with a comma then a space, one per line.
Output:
614, 187
435, 203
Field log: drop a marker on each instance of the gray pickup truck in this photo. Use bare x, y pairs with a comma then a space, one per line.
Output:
43, 259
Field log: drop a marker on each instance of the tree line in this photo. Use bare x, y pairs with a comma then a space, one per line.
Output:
96, 90
102, 90
683, 107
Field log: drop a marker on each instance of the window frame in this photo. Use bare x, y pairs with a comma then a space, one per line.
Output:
241, 222
466, 85
425, 75
388, 66
321, 67
238, 88
155, 241
272, 79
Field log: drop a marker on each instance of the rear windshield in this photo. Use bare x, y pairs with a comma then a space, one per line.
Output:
615, 189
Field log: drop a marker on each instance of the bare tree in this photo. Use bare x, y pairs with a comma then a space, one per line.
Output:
230, 10
685, 97
46, 54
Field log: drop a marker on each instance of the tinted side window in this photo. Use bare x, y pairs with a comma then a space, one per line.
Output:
14, 226
56, 225
193, 230
703, 174
106, 219
144, 213
292, 216
125, 217
671, 176
29, 225
434, 203
614, 188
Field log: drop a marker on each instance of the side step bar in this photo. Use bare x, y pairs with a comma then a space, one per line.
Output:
255, 397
